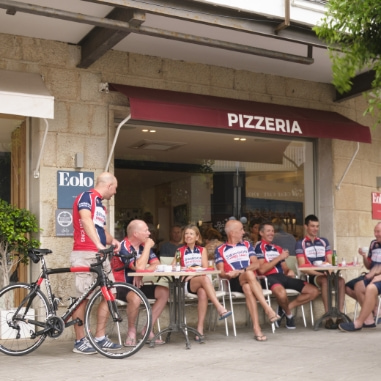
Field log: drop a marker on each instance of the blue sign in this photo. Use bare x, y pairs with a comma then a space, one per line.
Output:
70, 184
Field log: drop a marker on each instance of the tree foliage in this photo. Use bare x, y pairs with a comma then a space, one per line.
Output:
16, 229
352, 30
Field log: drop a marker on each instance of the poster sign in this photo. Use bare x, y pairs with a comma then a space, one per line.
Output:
376, 206
70, 184
64, 222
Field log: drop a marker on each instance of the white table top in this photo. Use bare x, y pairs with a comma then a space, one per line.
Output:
175, 273
328, 267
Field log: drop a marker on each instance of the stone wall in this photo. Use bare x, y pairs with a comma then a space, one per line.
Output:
83, 114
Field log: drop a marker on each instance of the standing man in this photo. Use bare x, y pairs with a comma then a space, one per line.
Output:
313, 248
237, 262
272, 264
138, 240
90, 236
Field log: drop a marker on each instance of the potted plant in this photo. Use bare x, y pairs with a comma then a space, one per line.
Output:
16, 229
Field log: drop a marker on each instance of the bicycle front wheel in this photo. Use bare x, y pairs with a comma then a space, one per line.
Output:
116, 320
20, 323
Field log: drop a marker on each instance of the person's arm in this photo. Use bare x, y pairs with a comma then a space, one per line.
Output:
142, 261
367, 262
89, 227
204, 258
264, 267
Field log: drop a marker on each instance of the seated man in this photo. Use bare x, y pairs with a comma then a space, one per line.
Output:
355, 288
138, 240
168, 249
237, 263
279, 277
371, 288
311, 249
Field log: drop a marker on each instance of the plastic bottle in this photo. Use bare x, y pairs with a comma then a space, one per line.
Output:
334, 258
343, 262
178, 263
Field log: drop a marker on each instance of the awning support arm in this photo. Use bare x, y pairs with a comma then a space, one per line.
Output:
36, 172
348, 166
121, 124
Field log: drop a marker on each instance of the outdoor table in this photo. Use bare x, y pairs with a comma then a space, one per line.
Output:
333, 274
176, 282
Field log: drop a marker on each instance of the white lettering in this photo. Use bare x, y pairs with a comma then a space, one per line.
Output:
270, 124
264, 123
279, 125
65, 180
232, 119
248, 121
259, 124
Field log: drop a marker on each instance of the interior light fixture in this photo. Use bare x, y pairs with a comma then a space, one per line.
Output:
240, 139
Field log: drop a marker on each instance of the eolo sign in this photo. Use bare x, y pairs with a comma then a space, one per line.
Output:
70, 184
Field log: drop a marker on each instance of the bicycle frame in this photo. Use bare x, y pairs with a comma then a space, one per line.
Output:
101, 280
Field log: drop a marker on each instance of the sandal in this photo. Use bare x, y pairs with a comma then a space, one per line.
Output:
130, 342
200, 339
260, 338
224, 315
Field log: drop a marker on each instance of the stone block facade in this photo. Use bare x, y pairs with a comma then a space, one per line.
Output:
83, 114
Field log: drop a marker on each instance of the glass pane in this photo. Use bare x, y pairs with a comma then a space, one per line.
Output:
209, 177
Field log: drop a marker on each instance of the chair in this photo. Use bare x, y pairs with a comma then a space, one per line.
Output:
292, 264
220, 294
235, 296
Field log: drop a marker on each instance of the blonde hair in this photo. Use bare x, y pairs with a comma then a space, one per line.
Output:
196, 230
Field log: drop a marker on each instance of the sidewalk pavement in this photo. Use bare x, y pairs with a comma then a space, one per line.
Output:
300, 354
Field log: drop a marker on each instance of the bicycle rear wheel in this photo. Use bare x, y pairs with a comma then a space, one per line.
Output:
18, 330
119, 317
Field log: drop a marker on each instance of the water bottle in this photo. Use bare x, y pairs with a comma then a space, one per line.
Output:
178, 263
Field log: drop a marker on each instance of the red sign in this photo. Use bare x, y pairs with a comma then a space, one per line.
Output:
376, 206
163, 107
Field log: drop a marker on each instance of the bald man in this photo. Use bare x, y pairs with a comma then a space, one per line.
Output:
90, 236
237, 262
138, 239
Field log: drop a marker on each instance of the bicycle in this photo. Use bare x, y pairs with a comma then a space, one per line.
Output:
24, 327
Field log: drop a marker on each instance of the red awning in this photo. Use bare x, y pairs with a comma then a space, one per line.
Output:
174, 108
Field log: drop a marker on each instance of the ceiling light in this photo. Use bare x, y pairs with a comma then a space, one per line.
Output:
152, 130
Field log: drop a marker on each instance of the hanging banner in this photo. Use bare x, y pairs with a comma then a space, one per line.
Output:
376, 206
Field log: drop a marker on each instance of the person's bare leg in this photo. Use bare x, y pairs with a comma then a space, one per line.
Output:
80, 313
309, 292
204, 282
133, 305
323, 284
360, 291
161, 296
280, 294
251, 304
257, 290
370, 300
102, 315
202, 308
